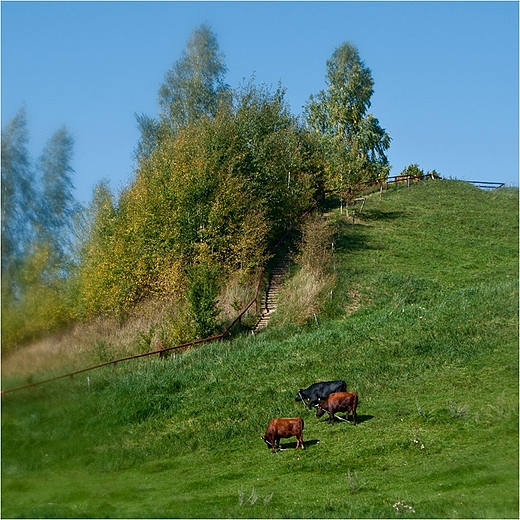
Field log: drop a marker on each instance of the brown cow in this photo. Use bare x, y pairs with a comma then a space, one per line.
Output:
339, 402
283, 428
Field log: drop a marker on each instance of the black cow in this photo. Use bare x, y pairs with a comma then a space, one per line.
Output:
319, 391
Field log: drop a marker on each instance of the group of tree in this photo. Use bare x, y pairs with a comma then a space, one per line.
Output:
38, 216
220, 174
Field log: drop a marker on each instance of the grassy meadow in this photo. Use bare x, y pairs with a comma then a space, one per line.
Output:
422, 322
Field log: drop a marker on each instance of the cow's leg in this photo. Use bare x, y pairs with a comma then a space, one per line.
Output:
354, 415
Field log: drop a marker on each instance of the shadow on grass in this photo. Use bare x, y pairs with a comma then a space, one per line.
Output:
292, 445
352, 239
341, 419
374, 214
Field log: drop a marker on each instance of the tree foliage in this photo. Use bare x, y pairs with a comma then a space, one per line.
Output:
412, 170
221, 174
56, 205
194, 86
38, 211
202, 293
218, 192
18, 192
353, 140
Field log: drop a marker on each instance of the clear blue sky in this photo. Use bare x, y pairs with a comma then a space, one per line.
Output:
446, 73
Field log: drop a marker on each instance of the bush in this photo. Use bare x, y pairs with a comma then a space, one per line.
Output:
203, 288
412, 170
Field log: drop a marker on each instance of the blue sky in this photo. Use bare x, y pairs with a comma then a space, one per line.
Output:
446, 73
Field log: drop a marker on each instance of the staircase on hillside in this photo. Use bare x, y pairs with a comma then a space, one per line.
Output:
270, 298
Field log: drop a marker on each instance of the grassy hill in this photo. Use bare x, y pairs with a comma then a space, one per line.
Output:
422, 323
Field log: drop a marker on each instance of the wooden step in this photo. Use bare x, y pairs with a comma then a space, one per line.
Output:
270, 297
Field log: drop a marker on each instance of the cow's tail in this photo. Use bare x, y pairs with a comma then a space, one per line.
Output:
303, 424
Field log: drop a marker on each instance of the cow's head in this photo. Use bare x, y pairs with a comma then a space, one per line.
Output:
320, 411
269, 443
299, 397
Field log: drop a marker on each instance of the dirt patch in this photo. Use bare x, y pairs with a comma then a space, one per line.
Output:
356, 301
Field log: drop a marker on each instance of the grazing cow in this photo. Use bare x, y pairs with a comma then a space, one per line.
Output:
319, 391
283, 428
339, 402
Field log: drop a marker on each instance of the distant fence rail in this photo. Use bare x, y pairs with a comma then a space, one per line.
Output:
487, 185
398, 179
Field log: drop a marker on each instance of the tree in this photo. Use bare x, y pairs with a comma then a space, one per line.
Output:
340, 110
18, 193
279, 161
96, 275
194, 86
352, 139
37, 223
57, 205
152, 132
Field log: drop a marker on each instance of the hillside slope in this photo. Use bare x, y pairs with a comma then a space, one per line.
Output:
423, 324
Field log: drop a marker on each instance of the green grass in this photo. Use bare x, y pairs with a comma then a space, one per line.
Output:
431, 349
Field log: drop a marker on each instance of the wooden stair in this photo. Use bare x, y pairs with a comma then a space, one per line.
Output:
270, 298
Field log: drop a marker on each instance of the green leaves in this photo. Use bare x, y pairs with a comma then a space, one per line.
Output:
412, 170
18, 191
194, 86
353, 141
203, 288
38, 217
217, 193
350, 86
